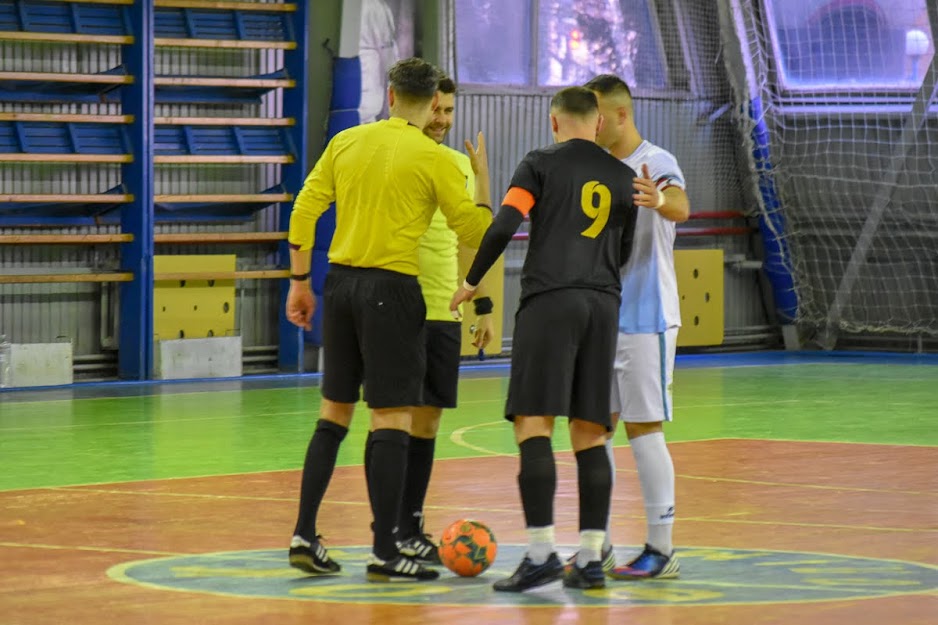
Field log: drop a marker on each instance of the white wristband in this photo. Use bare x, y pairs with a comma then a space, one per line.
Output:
469, 287
660, 199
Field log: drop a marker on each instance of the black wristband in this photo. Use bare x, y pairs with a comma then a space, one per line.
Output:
483, 305
299, 277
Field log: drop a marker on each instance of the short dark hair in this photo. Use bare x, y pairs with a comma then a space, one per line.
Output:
446, 85
609, 84
578, 101
414, 79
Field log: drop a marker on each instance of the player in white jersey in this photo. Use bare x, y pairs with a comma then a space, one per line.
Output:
649, 319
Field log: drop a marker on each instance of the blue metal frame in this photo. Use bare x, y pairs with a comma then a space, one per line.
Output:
777, 264
135, 347
295, 105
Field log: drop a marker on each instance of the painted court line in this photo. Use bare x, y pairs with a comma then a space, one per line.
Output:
458, 437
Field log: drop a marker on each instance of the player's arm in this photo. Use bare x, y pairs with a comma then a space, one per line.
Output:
515, 207
668, 201
676, 206
482, 301
466, 218
312, 201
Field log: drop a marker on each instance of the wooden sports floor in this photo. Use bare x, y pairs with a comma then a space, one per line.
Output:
807, 492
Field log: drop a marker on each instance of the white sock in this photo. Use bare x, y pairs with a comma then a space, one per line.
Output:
591, 544
299, 541
540, 543
607, 539
656, 475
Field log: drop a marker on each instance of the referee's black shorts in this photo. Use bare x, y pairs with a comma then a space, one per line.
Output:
373, 336
443, 346
562, 355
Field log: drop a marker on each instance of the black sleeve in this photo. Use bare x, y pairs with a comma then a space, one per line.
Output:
527, 175
496, 239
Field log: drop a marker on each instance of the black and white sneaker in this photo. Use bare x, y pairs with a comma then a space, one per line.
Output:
421, 548
312, 557
400, 569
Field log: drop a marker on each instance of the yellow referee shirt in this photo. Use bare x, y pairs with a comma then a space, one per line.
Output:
439, 254
387, 179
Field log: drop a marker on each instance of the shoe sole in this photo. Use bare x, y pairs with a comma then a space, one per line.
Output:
543, 582
666, 574
306, 564
385, 578
588, 586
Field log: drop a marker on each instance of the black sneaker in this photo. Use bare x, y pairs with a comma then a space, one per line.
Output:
400, 569
421, 549
590, 576
608, 555
313, 559
530, 575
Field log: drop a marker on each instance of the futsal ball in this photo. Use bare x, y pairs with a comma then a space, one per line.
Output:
467, 548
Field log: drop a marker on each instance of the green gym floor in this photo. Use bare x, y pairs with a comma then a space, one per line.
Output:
807, 491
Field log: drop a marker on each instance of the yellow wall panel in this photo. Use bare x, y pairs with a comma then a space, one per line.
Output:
193, 308
700, 286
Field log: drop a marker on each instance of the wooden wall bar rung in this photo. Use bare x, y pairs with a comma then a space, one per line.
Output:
255, 274
220, 237
63, 239
52, 278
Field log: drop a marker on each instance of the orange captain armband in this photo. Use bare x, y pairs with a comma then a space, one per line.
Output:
519, 199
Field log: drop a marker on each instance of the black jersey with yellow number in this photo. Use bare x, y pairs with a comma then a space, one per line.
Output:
582, 220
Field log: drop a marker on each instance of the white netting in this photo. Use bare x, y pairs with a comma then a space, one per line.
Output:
851, 111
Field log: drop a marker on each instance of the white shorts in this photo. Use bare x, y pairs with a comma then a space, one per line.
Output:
642, 377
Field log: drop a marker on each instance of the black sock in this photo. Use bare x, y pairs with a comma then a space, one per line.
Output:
386, 484
371, 498
317, 471
594, 479
419, 467
537, 481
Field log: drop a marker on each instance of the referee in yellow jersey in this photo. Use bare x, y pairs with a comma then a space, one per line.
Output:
441, 261
387, 179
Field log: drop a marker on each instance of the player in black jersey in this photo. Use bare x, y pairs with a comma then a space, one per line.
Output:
579, 200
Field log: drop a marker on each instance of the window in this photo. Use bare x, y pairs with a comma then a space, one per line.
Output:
856, 44
497, 42
493, 41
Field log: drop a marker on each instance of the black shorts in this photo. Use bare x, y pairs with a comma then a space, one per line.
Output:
443, 342
562, 355
372, 335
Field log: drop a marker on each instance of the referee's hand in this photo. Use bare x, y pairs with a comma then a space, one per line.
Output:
301, 304
461, 295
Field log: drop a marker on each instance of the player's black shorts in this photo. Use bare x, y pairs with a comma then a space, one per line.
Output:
443, 343
562, 355
373, 335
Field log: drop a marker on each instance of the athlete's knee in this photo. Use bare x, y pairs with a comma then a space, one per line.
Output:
634, 430
425, 422
391, 418
531, 427
337, 412
586, 434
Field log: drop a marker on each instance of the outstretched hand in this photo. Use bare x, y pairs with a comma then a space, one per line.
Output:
647, 193
478, 157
